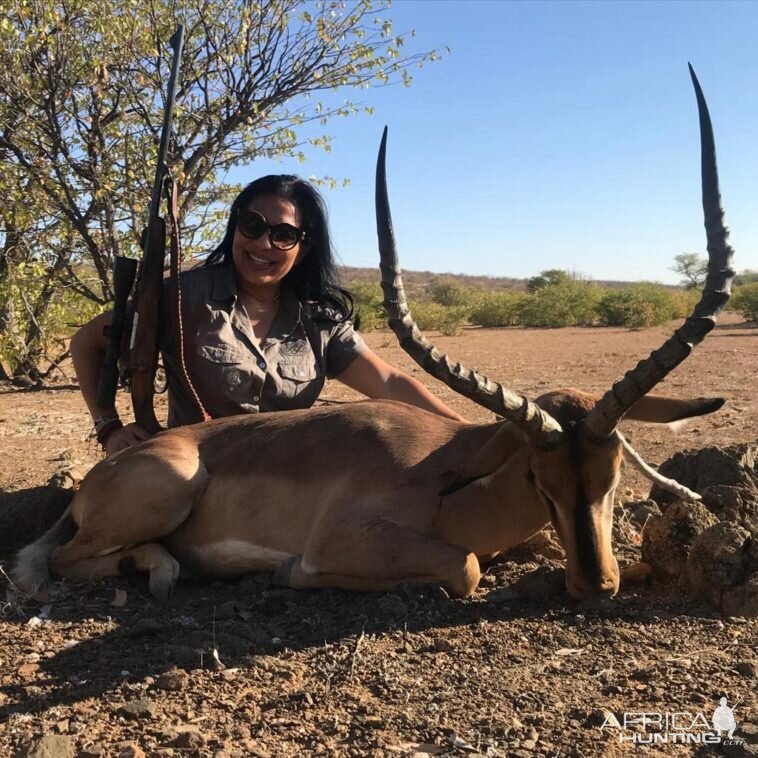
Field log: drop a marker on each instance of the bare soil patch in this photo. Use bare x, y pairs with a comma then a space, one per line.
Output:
516, 670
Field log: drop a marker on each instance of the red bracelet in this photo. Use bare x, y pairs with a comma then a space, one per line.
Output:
105, 431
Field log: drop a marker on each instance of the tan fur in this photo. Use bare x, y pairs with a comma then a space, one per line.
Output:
351, 493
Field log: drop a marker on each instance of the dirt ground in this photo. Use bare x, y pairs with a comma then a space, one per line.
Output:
105, 670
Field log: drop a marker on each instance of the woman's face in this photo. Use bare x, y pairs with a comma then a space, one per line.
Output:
259, 264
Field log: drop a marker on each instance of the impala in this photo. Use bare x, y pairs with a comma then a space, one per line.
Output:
371, 494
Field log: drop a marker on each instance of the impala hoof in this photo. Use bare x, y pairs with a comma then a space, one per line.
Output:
163, 580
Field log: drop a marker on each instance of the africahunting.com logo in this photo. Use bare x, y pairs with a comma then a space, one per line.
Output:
676, 727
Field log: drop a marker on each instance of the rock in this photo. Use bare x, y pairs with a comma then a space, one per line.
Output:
129, 749
137, 709
640, 511
667, 539
543, 544
50, 746
188, 736
736, 504
28, 670
69, 478
93, 751
443, 646
734, 466
723, 569
172, 680
748, 669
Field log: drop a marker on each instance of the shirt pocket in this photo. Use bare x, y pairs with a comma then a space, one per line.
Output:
225, 373
298, 377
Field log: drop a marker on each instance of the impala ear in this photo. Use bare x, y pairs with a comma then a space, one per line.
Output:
665, 410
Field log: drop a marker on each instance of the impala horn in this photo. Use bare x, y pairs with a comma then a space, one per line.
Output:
610, 409
541, 428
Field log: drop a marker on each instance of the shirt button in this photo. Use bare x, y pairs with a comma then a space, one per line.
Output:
262, 364
256, 398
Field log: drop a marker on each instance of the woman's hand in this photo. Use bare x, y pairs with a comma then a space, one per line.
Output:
124, 437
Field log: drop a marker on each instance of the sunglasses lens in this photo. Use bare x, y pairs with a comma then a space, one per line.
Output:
251, 224
284, 236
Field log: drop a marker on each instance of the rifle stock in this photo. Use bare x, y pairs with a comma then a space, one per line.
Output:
143, 350
124, 271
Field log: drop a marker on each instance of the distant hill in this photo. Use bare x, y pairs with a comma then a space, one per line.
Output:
417, 282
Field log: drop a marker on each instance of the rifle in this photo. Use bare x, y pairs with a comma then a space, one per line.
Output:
143, 345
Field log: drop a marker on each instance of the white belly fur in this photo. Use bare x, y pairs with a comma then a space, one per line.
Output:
238, 557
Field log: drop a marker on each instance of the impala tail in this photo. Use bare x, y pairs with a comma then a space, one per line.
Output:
30, 571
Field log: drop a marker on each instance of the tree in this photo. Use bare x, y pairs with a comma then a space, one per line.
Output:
81, 100
548, 277
692, 268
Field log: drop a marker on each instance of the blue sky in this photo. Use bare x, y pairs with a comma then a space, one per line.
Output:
554, 135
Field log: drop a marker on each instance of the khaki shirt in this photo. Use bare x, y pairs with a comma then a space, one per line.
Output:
230, 372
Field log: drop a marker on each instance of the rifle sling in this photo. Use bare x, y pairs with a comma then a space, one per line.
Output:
176, 256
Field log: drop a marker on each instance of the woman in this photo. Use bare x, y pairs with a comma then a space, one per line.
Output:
264, 323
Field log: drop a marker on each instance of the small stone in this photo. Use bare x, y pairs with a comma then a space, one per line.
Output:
50, 746
28, 670
137, 709
189, 738
129, 749
529, 744
748, 669
172, 680
93, 751
443, 646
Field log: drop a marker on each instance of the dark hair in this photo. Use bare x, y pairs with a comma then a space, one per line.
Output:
314, 279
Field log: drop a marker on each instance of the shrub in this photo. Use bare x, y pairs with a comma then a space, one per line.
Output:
568, 303
448, 293
448, 319
498, 309
745, 301
369, 310
638, 306
684, 301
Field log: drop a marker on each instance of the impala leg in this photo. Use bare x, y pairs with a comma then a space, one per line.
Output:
128, 502
75, 562
379, 558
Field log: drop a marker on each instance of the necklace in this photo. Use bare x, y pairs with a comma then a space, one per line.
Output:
266, 299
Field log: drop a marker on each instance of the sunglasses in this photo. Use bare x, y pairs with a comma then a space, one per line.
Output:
253, 225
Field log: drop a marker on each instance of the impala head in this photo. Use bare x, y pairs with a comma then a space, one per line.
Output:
575, 448
576, 479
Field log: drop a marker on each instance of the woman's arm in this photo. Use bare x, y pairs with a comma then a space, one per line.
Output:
88, 348
376, 378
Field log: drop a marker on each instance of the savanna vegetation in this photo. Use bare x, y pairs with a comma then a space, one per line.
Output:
553, 299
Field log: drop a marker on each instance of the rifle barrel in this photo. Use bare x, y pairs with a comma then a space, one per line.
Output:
177, 43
